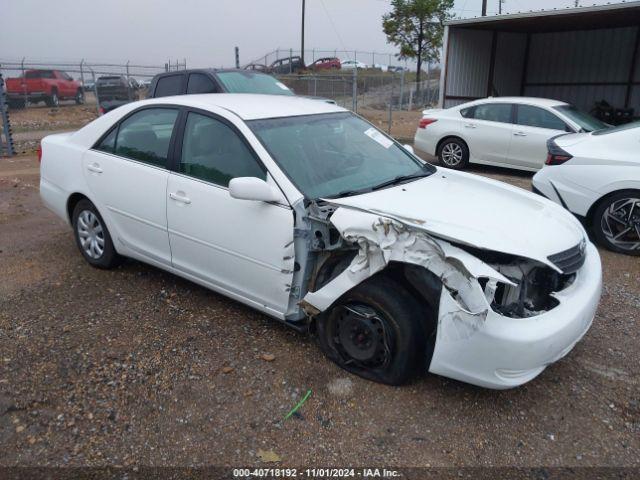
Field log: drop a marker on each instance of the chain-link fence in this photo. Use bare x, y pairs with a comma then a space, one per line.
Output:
135, 76
371, 90
365, 59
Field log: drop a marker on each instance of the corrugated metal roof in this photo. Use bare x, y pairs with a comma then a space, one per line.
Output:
617, 14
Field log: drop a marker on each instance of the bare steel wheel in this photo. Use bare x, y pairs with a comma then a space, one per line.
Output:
616, 222
377, 330
453, 153
92, 236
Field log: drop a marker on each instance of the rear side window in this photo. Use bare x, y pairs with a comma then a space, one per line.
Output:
467, 112
214, 152
169, 85
108, 143
145, 136
531, 116
39, 74
493, 112
200, 83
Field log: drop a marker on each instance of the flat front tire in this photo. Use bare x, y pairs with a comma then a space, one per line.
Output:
92, 236
453, 153
376, 331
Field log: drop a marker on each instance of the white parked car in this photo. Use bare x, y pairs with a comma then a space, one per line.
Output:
503, 131
308, 213
351, 64
596, 176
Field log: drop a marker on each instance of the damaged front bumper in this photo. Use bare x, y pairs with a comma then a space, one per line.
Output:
501, 352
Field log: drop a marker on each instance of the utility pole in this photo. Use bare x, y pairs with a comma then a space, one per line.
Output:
484, 8
302, 39
576, 3
500, 2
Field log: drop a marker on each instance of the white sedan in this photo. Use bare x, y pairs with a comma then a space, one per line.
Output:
503, 131
351, 64
311, 215
596, 176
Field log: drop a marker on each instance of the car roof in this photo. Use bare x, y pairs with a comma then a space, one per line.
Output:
250, 106
542, 102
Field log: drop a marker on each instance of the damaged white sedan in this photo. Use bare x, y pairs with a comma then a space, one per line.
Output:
310, 214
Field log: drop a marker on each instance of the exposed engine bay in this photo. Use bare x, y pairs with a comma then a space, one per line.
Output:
339, 247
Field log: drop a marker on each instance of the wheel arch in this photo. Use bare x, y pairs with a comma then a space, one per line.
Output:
448, 137
594, 206
72, 201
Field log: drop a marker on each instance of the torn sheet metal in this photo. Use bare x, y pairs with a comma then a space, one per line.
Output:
382, 240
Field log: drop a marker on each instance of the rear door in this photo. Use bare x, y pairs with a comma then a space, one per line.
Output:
127, 175
487, 130
533, 127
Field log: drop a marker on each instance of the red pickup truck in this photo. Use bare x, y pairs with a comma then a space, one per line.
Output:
49, 86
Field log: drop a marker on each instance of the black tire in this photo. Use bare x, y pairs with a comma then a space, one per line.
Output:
53, 100
79, 98
18, 104
390, 347
108, 257
611, 217
453, 153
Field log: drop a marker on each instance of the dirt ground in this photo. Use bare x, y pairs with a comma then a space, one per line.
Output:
136, 366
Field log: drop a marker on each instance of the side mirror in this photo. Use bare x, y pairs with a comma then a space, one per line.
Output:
252, 188
409, 149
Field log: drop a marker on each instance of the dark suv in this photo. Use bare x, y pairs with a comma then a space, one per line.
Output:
215, 81
115, 91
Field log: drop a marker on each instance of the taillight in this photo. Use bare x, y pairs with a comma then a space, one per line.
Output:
556, 155
39, 153
102, 111
425, 122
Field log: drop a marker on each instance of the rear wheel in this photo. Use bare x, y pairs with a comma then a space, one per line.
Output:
92, 236
53, 100
375, 331
616, 222
453, 153
79, 98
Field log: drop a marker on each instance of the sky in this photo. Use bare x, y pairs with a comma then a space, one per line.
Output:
204, 32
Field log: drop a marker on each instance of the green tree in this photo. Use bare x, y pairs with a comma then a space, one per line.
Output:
417, 27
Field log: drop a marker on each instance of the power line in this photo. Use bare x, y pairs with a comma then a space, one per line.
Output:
334, 28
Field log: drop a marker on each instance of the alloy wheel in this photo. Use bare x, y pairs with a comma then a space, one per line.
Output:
91, 234
621, 223
452, 154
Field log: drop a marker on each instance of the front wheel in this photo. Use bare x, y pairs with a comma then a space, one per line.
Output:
376, 331
92, 236
616, 222
453, 153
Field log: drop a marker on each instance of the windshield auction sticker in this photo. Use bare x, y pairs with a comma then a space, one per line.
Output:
378, 137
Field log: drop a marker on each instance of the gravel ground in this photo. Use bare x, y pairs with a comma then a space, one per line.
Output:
138, 367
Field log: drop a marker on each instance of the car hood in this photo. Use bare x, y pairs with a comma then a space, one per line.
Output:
476, 211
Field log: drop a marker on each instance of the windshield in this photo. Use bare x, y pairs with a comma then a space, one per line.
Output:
336, 154
252, 82
619, 128
584, 120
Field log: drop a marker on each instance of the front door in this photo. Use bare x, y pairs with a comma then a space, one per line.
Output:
236, 246
533, 127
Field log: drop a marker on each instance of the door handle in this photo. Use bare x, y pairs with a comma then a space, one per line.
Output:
94, 167
520, 134
470, 125
179, 198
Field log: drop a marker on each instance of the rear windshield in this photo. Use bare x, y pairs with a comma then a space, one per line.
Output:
587, 122
252, 82
619, 128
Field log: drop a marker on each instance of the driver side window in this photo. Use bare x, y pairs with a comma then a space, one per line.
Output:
212, 151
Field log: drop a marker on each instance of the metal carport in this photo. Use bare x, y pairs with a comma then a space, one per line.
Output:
578, 55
